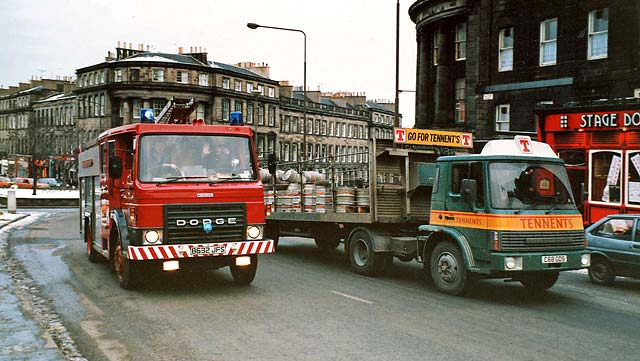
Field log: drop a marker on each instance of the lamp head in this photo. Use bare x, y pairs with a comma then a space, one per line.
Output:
252, 25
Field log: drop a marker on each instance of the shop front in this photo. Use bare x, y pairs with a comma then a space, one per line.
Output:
601, 149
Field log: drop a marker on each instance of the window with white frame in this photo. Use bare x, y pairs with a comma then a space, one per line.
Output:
203, 79
117, 75
271, 92
598, 34
237, 85
461, 41
249, 117
261, 89
260, 114
271, 117
502, 117
103, 104
158, 75
182, 77
249, 87
435, 38
505, 54
237, 105
459, 93
226, 108
158, 105
295, 122
200, 111
226, 83
548, 41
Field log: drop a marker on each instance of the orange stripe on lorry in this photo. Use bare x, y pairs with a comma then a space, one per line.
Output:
508, 222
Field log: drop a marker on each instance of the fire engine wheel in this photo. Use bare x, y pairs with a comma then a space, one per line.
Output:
601, 272
448, 271
539, 281
125, 269
363, 259
92, 254
244, 275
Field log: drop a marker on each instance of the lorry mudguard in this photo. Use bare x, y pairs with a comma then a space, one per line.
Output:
379, 242
454, 234
119, 221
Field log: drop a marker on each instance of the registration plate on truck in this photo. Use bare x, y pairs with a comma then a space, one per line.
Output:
554, 259
215, 250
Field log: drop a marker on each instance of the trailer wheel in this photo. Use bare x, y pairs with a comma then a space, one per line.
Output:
448, 270
539, 282
92, 254
327, 239
127, 271
363, 259
244, 275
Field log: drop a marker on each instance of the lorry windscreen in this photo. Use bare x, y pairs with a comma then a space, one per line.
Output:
194, 158
528, 185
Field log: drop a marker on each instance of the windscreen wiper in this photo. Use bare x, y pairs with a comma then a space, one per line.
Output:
179, 178
233, 178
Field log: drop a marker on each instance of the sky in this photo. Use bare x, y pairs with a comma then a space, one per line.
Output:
350, 43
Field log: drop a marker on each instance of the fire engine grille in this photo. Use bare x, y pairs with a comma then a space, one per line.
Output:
184, 223
542, 241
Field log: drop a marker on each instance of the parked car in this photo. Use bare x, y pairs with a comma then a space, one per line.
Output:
50, 182
615, 245
27, 183
5, 182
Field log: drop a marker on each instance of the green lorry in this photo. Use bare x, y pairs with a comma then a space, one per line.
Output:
505, 213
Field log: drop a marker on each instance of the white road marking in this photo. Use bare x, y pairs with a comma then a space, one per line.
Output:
351, 297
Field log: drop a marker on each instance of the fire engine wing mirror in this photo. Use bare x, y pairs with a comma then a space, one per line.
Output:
469, 190
115, 166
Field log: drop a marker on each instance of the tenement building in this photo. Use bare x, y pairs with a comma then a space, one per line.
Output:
17, 116
112, 93
563, 70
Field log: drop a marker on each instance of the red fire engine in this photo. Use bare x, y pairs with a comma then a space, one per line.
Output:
173, 196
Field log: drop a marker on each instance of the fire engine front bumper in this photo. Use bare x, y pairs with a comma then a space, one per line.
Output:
178, 251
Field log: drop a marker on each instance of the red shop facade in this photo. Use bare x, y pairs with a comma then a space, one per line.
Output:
601, 149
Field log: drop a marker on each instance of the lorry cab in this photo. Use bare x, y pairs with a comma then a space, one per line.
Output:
510, 210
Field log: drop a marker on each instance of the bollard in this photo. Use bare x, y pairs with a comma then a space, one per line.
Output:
11, 201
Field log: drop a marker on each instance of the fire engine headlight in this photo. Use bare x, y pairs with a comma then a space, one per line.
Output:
254, 232
513, 263
151, 236
585, 261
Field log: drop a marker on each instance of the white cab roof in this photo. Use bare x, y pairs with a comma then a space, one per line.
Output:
519, 146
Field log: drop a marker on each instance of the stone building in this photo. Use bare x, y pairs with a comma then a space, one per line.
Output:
489, 66
55, 132
16, 123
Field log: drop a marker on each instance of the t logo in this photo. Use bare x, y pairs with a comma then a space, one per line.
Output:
524, 143
401, 135
466, 140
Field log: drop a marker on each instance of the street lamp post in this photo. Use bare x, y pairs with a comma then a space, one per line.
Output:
304, 87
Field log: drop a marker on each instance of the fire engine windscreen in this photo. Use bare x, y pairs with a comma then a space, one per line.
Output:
519, 185
194, 158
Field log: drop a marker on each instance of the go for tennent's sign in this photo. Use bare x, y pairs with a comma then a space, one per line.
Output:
432, 137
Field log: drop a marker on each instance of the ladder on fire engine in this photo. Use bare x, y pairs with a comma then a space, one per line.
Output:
176, 113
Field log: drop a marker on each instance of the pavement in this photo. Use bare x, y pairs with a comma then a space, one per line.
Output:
21, 337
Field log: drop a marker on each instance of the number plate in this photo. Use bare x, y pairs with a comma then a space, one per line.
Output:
554, 259
213, 250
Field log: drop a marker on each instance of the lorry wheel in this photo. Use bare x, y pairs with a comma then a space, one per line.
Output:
539, 281
126, 270
601, 272
363, 259
243, 275
448, 270
92, 254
